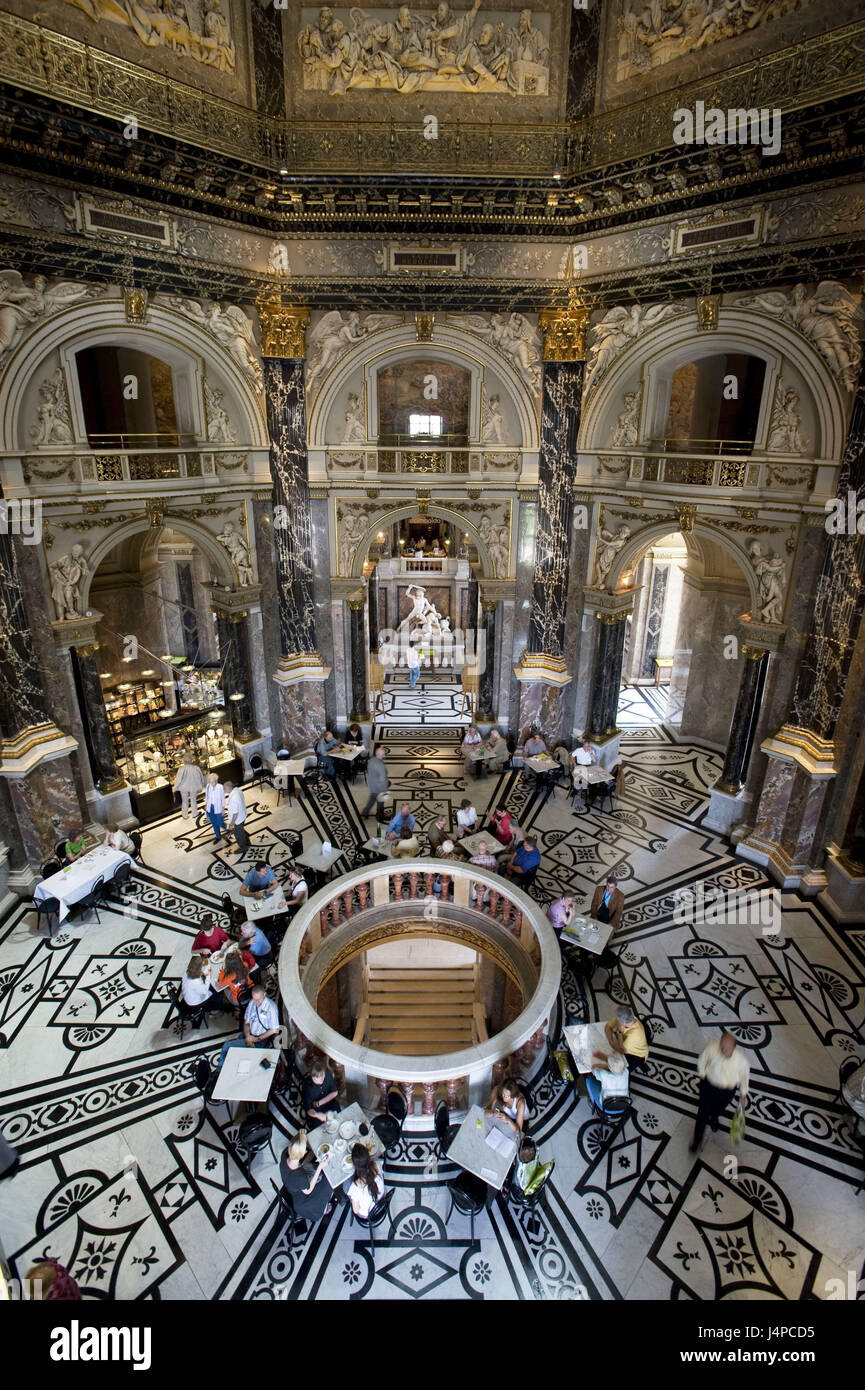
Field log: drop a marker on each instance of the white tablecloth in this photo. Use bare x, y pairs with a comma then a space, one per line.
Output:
74, 883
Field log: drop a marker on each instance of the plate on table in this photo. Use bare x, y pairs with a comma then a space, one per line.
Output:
347, 1129
339, 1145
347, 1163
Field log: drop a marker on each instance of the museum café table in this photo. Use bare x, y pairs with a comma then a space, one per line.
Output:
346, 753
471, 1148
257, 909
247, 1074
339, 1141
315, 858
472, 843
584, 1040
588, 934
80, 878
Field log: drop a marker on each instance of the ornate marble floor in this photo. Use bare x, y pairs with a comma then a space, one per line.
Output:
143, 1196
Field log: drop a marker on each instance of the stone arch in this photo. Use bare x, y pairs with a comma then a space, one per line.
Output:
204, 539
740, 329
399, 512
630, 554
399, 344
166, 333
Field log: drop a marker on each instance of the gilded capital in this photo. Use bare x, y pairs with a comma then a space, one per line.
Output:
283, 328
564, 330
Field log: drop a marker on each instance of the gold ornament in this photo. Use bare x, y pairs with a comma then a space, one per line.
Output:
283, 328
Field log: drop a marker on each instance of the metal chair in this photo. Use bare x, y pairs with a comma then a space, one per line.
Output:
260, 771
118, 881
613, 1112
379, 1214
51, 867
135, 837
469, 1195
91, 902
607, 790
191, 1014
389, 1126
60, 852
512, 1194
47, 907
205, 1078
255, 1134
235, 914
445, 1131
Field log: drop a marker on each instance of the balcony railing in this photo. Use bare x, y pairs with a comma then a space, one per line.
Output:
726, 473
132, 465
477, 462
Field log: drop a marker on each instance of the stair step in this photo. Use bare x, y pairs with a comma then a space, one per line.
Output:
456, 972
418, 1049
420, 1033
447, 1008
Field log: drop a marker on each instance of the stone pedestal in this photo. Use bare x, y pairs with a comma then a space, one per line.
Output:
302, 707
726, 810
844, 894
794, 790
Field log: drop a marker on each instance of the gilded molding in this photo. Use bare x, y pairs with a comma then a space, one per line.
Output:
283, 329
564, 330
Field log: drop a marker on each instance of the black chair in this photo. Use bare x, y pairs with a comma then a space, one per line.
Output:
612, 1112
293, 842
513, 1194
260, 771
445, 1131
469, 1195
187, 1014
379, 1214
48, 908
579, 792
91, 902
60, 852
285, 1212
135, 837
118, 881
52, 866
640, 1064
255, 1134
607, 790
388, 1127
205, 1078
235, 914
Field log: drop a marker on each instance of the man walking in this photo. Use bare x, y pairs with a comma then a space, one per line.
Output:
236, 806
412, 661
722, 1068
377, 781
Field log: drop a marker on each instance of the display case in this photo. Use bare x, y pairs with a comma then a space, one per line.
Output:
131, 705
152, 755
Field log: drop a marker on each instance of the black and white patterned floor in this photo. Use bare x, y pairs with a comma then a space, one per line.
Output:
141, 1195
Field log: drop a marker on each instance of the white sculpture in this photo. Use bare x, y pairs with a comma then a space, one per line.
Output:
239, 552
491, 431
421, 609
771, 573
355, 425
219, 427
627, 422
619, 327
54, 423
351, 531
827, 318
513, 335
334, 334
497, 541
609, 545
171, 24
785, 428
230, 327
67, 580
22, 304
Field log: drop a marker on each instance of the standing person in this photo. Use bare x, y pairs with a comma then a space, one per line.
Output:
608, 903
214, 805
412, 661
377, 780
188, 783
367, 1187
300, 1180
723, 1069
320, 1092
236, 807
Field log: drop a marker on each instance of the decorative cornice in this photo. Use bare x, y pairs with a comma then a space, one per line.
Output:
814, 754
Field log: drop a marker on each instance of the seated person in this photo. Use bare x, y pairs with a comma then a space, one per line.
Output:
195, 988
234, 977
210, 937
438, 834
496, 751
508, 1104
253, 939
260, 882
402, 830
367, 1186
625, 1034
319, 1092
300, 1178
353, 736
608, 903
298, 890
471, 741
561, 913
75, 848
483, 856
530, 1172
524, 861
563, 758
583, 756
117, 838
323, 747
502, 825
611, 1079
467, 819
260, 1024
534, 745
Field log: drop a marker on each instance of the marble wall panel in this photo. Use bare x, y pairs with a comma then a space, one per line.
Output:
713, 680
544, 705
22, 702
286, 419
46, 806
268, 59
262, 520
560, 417
303, 713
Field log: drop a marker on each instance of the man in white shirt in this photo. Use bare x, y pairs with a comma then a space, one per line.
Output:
613, 1079
236, 807
722, 1068
260, 1024
584, 756
117, 838
412, 661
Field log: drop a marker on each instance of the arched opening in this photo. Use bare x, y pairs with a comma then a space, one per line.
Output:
127, 398
424, 402
714, 404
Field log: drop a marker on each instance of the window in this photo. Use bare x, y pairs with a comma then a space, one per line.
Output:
425, 424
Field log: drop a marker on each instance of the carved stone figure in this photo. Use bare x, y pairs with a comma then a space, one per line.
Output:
230, 327
352, 528
219, 427
54, 421
627, 422
334, 334
616, 330
785, 428
513, 335
609, 545
239, 552
171, 24
827, 318
22, 304
68, 576
771, 573
654, 33
424, 618
355, 425
497, 541
491, 430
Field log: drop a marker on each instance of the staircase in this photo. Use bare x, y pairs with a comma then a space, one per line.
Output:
423, 1012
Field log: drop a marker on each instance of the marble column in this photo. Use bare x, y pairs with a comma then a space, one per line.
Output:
237, 673
302, 673
91, 703
359, 697
608, 675
787, 836
487, 684
543, 670
372, 595
745, 716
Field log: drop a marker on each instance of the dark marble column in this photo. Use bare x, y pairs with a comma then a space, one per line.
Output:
560, 418
487, 684
473, 594
607, 675
372, 595
22, 704
359, 698
745, 717
286, 422
237, 674
91, 703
